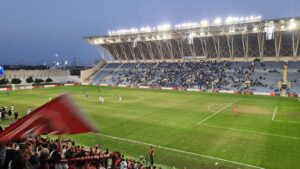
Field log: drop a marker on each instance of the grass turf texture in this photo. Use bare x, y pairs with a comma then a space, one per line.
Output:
185, 124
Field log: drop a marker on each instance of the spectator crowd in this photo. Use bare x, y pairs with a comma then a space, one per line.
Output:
221, 75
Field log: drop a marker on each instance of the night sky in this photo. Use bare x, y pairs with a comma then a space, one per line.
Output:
34, 31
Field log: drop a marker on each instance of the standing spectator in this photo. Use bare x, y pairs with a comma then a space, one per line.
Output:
16, 114
44, 156
3, 111
28, 110
106, 156
2, 152
12, 109
151, 154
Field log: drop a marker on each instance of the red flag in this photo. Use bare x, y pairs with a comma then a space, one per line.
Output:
59, 116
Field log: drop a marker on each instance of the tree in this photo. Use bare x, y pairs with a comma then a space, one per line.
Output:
16, 81
49, 80
29, 79
3, 81
38, 81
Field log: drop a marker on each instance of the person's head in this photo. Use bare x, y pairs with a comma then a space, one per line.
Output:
44, 154
18, 162
24, 147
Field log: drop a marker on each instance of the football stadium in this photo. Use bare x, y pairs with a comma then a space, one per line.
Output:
212, 94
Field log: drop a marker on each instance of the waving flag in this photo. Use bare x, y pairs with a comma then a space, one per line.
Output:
59, 116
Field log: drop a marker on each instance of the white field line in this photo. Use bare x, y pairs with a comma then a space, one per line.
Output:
283, 121
294, 122
209, 107
253, 132
177, 150
274, 113
223, 108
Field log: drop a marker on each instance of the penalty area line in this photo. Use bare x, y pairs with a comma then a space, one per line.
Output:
179, 151
274, 113
252, 132
223, 108
282, 121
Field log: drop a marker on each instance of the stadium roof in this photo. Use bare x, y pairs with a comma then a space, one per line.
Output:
231, 27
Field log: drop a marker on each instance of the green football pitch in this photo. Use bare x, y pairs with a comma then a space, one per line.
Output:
187, 129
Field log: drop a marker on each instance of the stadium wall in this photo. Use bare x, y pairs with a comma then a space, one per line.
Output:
58, 76
86, 74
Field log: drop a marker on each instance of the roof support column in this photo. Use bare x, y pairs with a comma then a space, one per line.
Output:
116, 52
217, 46
169, 46
159, 48
261, 43
148, 44
295, 40
277, 43
131, 51
245, 41
124, 51
140, 50
230, 45
103, 51
180, 46
203, 41
192, 49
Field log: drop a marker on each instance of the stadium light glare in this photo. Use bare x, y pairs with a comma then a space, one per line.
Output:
164, 27
292, 26
218, 21
146, 29
186, 25
229, 20
167, 36
204, 22
259, 17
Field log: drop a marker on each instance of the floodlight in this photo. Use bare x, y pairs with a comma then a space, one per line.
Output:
229, 20
204, 23
218, 21
163, 27
259, 17
145, 29
292, 26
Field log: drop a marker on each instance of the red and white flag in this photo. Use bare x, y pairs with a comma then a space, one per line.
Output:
59, 116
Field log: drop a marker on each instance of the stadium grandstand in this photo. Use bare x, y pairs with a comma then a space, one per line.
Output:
105, 122
240, 54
